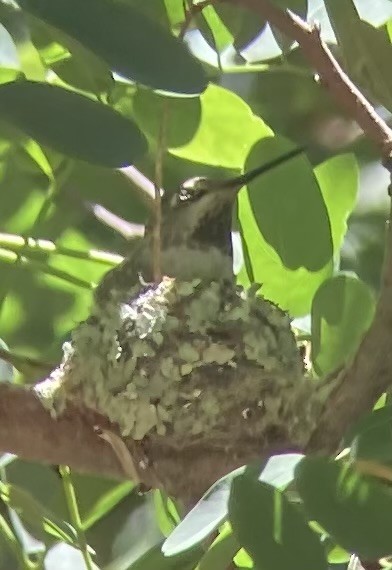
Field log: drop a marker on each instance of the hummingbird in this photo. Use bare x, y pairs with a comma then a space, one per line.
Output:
195, 234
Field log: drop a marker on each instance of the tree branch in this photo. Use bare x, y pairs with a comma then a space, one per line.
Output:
319, 56
28, 430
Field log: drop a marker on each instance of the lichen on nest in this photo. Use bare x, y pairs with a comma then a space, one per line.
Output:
190, 361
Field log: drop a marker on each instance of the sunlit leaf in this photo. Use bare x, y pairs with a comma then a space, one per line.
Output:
218, 129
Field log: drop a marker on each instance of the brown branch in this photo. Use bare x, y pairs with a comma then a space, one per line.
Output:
28, 430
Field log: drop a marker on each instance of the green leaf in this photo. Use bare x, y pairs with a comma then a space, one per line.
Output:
221, 552
166, 513
175, 12
203, 519
371, 437
242, 24
342, 310
154, 560
132, 45
286, 229
72, 62
212, 509
213, 29
218, 129
71, 123
106, 502
271, 529
36, 153
300, 7
30, 62
278, 206
356, 511
243, 560
36, 516
153, 9
338, 179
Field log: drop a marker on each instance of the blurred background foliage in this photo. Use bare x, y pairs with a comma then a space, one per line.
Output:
83, 87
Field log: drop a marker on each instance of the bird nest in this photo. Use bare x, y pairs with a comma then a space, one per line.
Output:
189, 366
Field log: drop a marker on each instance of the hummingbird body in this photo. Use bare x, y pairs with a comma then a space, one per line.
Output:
195, 235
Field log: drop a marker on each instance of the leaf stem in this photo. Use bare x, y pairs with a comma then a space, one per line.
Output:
72, 504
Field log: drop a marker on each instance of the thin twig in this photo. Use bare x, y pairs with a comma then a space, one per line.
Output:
156, 234
73, 510
122, 453
191, 13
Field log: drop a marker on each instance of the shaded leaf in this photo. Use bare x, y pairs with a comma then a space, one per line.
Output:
271, 529
37, 517
71, 123
212, 509
342, 310
242, 24
356, 511
154, 559
203, 519
371, 437
221, 552
133, 45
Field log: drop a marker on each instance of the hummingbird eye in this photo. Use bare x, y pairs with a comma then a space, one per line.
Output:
189, 191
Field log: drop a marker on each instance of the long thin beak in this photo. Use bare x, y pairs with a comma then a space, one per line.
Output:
239, 181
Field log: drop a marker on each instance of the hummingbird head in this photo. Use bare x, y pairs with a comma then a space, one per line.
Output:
200, 212
196, 225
